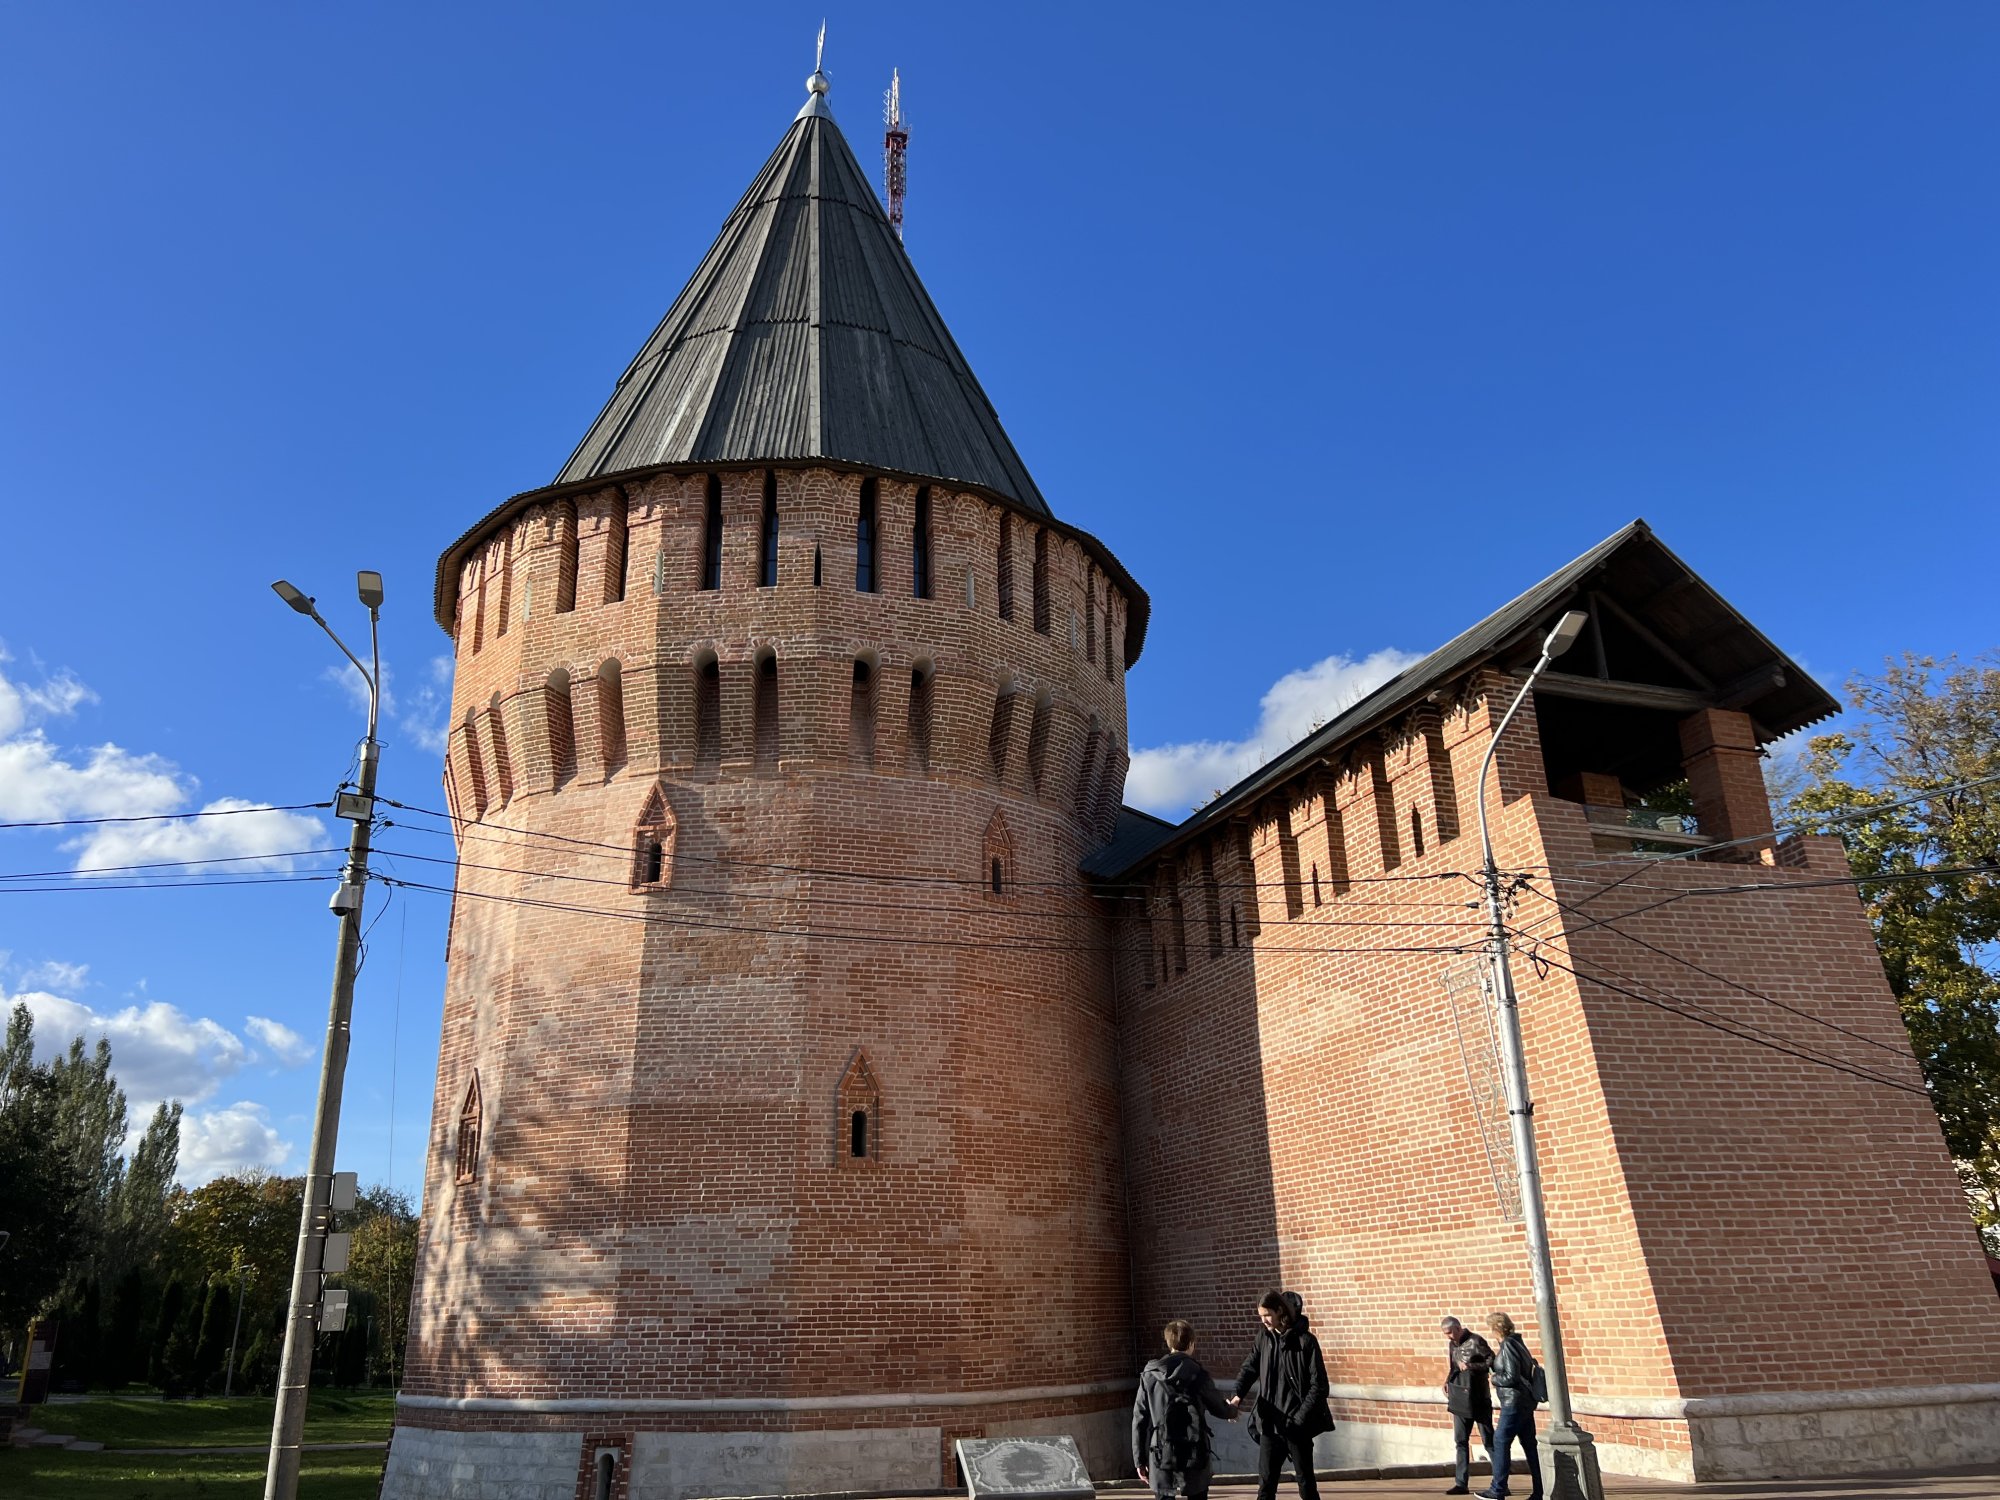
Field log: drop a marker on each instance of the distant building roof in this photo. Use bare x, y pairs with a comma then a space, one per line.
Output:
1663, 595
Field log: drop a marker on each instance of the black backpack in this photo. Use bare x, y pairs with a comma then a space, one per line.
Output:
1180, 1432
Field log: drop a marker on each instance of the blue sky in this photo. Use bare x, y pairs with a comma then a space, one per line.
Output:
1339, 324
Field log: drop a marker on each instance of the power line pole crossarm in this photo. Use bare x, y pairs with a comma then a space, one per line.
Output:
281, 1478
1571, 1454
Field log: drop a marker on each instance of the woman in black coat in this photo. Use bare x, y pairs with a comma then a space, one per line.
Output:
1514, 1386
1285, 1379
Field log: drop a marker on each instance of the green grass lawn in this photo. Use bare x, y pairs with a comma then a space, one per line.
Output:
51, 1474
120, 1422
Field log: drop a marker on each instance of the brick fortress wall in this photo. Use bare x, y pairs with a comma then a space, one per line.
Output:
667, 1228
1765, 1264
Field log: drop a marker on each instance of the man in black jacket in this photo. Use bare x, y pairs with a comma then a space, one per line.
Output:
1171, 1447
1467, 1396
1285, 1376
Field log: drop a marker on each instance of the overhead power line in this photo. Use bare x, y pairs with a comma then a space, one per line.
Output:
1729, 1026
485, 827
165, 885
1609, 924
867, 903
887, 940
200, 863
215, 812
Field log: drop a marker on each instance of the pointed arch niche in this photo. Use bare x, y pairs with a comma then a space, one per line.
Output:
653, 844
858, 1115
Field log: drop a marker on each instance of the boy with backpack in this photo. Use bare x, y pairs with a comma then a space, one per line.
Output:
1171, 1447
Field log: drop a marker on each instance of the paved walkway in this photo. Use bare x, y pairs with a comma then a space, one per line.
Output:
1957, 1484
34, 1437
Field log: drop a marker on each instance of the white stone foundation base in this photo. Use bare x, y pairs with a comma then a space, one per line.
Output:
434, 1464
1851, 1433
693, 1465
1792, 1435
425, 1464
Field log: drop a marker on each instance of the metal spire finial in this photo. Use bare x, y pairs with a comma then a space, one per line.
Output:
817, 83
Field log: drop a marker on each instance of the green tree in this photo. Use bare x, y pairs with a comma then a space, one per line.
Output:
249, 1219
247, 1222
139, 1214
44, 1196
1914, 791
90, 1136
382, 1265
211, 1346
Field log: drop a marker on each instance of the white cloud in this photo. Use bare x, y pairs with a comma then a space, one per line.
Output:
41, 781
21, 704
426, 712
38, 782
347, 677
1169, 779
420, 714
158, 1051
232, 1139
249, 834
285, 1044
53, 974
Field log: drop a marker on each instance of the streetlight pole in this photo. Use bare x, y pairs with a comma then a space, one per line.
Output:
229, 1375
1572, 1455
281, 1478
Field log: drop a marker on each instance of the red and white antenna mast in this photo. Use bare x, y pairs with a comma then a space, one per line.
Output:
895, 146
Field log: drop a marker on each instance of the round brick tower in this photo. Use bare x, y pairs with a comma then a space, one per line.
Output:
776, 1140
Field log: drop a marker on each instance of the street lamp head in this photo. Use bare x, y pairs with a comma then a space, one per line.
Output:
369, 586
1568, 628
293, 597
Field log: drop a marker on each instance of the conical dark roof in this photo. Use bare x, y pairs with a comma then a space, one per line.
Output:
805, 334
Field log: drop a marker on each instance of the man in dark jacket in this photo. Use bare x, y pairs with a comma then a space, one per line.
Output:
1171, 1446
1285, 1379
1466, 1395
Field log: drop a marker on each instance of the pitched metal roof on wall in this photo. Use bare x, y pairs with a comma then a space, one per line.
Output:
1135, 835
1632, 565
806, 334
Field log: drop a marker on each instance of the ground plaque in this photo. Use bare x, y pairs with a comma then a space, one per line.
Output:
1023, 1468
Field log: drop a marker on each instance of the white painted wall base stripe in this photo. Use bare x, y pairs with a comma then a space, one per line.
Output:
665, 1405
1679, 1408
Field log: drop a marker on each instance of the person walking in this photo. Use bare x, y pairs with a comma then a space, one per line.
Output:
1171, 1445
1285, 1379
1516, 1384
1467, 1397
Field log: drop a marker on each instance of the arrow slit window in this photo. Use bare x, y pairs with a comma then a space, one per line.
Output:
468, 1134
